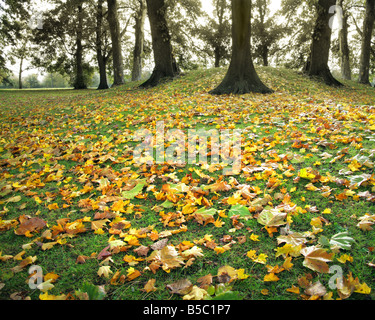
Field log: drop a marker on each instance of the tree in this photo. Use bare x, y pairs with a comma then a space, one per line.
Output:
140, 17
79, 82
114, 25
317, 64
346, 72
165, 65
368, 25
241, 77
101, 46
265, 31
217, 32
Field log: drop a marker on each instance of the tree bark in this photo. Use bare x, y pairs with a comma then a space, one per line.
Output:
241, 77
346, 72
20, 86
318, 62
368, 24
165, 65
79, 82
114, 25
102, 60
139, 41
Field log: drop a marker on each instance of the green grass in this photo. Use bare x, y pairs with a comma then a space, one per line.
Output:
51, 130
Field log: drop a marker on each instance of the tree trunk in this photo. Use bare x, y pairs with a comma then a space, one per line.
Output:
114, 25
318, 62
265, 56
102, 61
165, 65
139, 41
241, 77
368, 24
217, 57
344, 48
20, 86
79, 82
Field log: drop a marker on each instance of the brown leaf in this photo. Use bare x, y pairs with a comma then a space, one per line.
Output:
205, 281
160, 244
317, 289
181, 287
316, 259
104, 253
28, 224
150, 286
142, 251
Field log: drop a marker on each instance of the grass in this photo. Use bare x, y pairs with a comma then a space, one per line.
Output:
54, 144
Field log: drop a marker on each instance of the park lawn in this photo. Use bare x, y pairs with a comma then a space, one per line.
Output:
302, 203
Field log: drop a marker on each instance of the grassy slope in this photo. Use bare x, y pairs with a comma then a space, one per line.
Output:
40, 129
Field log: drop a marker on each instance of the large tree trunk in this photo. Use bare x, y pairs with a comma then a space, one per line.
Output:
165, 65
139, 41
102, 61
320, 48
114, 25
368, 24
241, 77
79, 82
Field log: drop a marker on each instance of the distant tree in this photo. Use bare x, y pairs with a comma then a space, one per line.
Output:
317, 64
296, 42
165, 64
344, 48
368, 26
217, 32
32, 81
265, 31
241, 77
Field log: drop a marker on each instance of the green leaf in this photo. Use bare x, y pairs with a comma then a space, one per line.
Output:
239, 209
203, 211
131, 194
228, 295
342, 240
167, 204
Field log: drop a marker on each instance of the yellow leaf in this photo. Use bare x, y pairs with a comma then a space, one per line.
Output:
287, 263
53, 206
293, 289
46, 285
254, 237
104, 271
363, 288
271, 277
196, 294
251, 254
344, 258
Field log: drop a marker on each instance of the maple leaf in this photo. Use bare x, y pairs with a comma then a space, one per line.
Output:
196, 294
150, 286
271, 277
45, 286
181, 287
193, 252
28, 225
104, 271
168, 257
316, 258
272, 218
